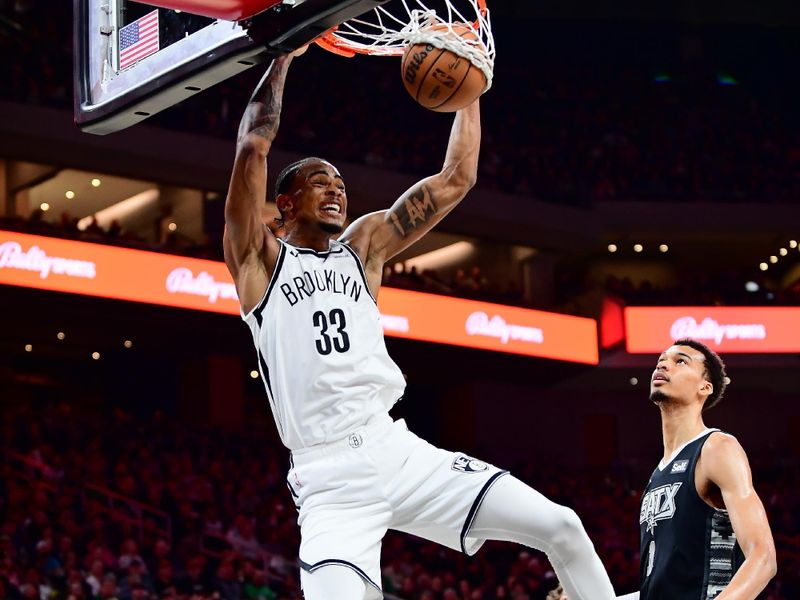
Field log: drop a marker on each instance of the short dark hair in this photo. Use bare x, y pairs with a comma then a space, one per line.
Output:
714, 370
286, 177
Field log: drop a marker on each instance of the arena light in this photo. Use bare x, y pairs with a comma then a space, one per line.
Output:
442, 258
123, 209
28, 347
634, 381
792, 243
69, 194
773, 259
663, 248
612, 248
128, 344
98, 270
783, 252
763, 266
61, 335
751, 286
172, 227
95, 356
253, 374
96, 182
44, 206
638, 247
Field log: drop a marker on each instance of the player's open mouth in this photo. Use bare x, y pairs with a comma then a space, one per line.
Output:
331, 208
659, 377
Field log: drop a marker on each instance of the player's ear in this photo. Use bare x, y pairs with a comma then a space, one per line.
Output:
285, 205
706, 389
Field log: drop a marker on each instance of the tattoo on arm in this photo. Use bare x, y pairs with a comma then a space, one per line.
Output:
263, 112
416, 210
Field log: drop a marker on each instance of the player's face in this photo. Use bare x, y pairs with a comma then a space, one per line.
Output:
679, 376
321, 197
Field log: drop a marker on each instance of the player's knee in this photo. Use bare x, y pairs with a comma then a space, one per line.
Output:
569, 536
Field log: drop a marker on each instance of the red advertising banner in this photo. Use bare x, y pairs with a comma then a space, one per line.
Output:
725, 329
445, 320
121, 273
154, 278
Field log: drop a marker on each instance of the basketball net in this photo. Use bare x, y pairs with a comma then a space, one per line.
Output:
383, 33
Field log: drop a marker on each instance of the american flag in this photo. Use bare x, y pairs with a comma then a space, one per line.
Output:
138, 39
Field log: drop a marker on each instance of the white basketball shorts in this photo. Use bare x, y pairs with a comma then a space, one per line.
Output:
382, 476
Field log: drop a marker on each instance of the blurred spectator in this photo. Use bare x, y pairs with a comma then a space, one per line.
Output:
240, 463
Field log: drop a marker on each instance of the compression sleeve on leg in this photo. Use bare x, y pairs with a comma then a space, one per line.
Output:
333, 582
513, 511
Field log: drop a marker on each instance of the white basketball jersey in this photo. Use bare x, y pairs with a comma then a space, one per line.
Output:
321, 352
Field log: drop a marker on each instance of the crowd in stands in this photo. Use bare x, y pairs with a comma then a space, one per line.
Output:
559, 128
707, 289
232, 531
470, 282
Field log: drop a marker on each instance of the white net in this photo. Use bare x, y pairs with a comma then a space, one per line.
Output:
388, 31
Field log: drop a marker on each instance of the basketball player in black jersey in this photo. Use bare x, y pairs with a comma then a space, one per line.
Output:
704, 532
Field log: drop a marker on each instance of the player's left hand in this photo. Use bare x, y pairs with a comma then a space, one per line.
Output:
299, 52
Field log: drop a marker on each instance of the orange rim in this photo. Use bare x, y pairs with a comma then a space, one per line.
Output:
331, 43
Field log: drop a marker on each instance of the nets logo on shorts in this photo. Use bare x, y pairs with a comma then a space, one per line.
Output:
467, 464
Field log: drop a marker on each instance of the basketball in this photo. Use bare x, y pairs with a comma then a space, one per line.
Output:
439, 79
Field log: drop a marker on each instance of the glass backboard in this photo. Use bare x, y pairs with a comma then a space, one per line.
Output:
133, 60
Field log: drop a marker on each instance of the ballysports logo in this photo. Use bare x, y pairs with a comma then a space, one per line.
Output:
479, 323
183, 281
710, 329
12, 256
659, 505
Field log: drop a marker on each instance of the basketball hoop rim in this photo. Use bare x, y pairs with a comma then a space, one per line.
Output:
340, 46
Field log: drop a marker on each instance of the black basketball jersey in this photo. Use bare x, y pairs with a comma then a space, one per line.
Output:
688, 549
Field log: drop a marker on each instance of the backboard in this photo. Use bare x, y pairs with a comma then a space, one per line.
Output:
133, 60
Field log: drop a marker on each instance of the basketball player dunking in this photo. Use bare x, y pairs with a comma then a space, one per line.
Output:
704, 532
309, 300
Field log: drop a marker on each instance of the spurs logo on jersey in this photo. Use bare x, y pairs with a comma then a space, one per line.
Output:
659, 505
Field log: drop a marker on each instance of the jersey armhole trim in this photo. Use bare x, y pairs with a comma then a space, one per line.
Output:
258, 309
361, 269
697, 495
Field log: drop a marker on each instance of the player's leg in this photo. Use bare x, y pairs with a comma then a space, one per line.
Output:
343, 518
333, 582
515, 512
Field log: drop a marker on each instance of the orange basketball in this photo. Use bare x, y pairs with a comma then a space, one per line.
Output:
439, 79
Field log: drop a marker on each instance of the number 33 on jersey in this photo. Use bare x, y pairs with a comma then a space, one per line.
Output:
318, 313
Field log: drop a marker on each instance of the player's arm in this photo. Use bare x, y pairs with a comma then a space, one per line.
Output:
725, 464
381, 235
250, 248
